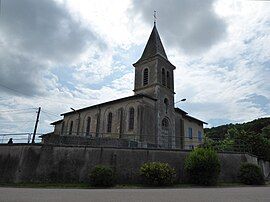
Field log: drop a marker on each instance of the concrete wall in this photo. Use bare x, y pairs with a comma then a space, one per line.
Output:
265, 165
22, 163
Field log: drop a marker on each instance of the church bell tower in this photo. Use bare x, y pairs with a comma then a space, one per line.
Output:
154, 77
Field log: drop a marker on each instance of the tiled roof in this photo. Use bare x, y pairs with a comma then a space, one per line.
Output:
153, 47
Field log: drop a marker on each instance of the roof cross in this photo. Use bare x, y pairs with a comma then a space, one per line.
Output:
155, 17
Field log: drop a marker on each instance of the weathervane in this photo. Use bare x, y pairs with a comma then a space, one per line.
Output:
155, 17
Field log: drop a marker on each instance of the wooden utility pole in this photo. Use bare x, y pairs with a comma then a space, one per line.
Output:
36, 125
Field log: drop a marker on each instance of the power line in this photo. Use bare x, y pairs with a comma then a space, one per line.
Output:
5, 134
50, 113
47, 115
51, 100
18, 112
11, 89
14, 122
14, 110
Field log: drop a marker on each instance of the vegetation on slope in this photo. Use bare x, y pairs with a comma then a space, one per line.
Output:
253, 137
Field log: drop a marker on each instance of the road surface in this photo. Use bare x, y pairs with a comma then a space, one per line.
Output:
247, 194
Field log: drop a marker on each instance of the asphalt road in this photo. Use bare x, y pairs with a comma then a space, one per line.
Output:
129, 195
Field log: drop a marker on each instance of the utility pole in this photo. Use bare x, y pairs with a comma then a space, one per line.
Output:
36, 125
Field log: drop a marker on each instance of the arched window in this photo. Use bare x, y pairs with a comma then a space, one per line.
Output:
88, 122
168, 80
109, 123
131, 119
165, 123
166, 103
63, 127
163, 78
145, 76
70, 128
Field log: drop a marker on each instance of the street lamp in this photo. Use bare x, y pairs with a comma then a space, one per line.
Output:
79, 118
183, 100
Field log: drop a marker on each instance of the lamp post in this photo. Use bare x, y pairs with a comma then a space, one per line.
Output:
182, 100
79, 119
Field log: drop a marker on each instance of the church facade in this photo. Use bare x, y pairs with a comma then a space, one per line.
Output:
149, 117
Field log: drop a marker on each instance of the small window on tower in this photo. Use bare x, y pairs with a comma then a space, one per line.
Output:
168, 80
163, 77
145, 76
166, 103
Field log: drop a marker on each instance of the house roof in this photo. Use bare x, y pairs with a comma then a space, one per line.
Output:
153, 47
112, 102
185, 115
46, 135
195, 119
56, 122
180, 111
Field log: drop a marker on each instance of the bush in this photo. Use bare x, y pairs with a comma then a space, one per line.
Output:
102, 176
202, 166
157, 174
251, 174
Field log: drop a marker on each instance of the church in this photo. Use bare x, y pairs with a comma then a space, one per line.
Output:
148, 118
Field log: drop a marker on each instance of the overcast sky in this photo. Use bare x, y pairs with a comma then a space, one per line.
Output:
75, 53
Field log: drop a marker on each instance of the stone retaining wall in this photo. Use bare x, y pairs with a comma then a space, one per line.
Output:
37, 163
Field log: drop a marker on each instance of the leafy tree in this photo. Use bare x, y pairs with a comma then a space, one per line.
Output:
251, 174
157, 174
266, 132
253, 137
202, 166
102, 176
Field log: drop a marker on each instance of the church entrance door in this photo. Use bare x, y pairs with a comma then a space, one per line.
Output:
165, 140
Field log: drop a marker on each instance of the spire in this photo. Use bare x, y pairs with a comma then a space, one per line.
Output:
154, 46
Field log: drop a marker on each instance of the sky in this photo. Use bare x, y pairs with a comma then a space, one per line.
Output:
58, 54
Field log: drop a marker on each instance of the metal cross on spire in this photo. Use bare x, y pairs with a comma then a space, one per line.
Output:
155, 17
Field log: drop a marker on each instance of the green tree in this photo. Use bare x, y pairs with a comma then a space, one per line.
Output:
202, 166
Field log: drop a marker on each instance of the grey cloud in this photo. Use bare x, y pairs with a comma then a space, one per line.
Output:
35, 34
191, 25
21, 74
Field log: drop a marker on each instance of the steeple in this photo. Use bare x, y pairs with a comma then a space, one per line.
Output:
153, 47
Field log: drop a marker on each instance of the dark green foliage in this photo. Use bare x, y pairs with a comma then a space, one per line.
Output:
252, 137
251, 174
157, 174
256, 126
102, 176
202, 166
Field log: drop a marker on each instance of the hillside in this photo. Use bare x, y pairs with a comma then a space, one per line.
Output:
256, 126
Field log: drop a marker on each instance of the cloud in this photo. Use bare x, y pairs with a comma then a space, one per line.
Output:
190, 25
36, 35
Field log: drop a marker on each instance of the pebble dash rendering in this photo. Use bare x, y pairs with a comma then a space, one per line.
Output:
147, 119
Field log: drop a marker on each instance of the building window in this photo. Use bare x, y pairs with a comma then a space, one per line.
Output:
163, 77
109, 124
190, 133
145, 76
191, 146
70, 128
200, 136
88, 122
168, 80
166, 103
63, 127
165, 123
131, 119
